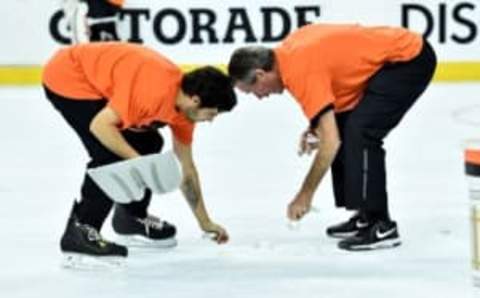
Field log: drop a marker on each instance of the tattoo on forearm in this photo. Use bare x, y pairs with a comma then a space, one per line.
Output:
190, 193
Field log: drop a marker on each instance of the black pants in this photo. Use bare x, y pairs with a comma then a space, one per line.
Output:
358, 171
95, 205
104, 32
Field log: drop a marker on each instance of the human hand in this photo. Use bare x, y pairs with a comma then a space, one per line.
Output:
308, 142
216, 232
299, 206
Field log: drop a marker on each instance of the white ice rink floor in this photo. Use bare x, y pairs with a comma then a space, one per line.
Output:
250, 171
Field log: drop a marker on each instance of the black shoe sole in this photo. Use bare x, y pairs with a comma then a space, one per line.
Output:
342, 235
385, 244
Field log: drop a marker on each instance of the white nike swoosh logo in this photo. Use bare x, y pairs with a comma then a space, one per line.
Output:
361, 225
382, 235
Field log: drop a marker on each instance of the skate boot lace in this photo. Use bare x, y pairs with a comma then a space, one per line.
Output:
92, 233
151, 222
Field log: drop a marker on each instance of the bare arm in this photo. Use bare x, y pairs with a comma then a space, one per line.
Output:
104, 127
329, 143
192, 191
327, 148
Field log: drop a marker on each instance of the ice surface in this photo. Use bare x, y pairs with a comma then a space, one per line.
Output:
250, 171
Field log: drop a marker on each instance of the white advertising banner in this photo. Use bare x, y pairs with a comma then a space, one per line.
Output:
206, 31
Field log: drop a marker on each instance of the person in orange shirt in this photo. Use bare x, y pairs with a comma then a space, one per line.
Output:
115, 96
354, 84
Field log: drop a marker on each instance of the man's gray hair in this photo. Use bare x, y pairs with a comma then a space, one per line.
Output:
245, 60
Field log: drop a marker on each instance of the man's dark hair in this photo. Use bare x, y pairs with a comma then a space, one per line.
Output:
245, 60
214, 88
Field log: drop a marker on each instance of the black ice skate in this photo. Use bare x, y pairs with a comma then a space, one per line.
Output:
147, 232
349, 228
381, 234
83, 246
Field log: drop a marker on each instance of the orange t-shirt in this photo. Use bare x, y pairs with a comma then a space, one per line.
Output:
321, 65
117, 2
139, 84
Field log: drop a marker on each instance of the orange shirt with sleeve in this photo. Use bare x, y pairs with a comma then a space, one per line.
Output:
323, 65
139, 84
117, 2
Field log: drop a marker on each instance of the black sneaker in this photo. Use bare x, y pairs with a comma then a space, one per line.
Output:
381, 234
148, 231
82, 241
349, 228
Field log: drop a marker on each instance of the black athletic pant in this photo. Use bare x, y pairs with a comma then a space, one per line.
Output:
104, 32
95, 205
358, 171
107, 31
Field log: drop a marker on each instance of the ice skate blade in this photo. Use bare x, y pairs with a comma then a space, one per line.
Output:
78, 261
138, 241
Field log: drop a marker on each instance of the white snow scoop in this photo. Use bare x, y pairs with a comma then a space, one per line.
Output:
126, 181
